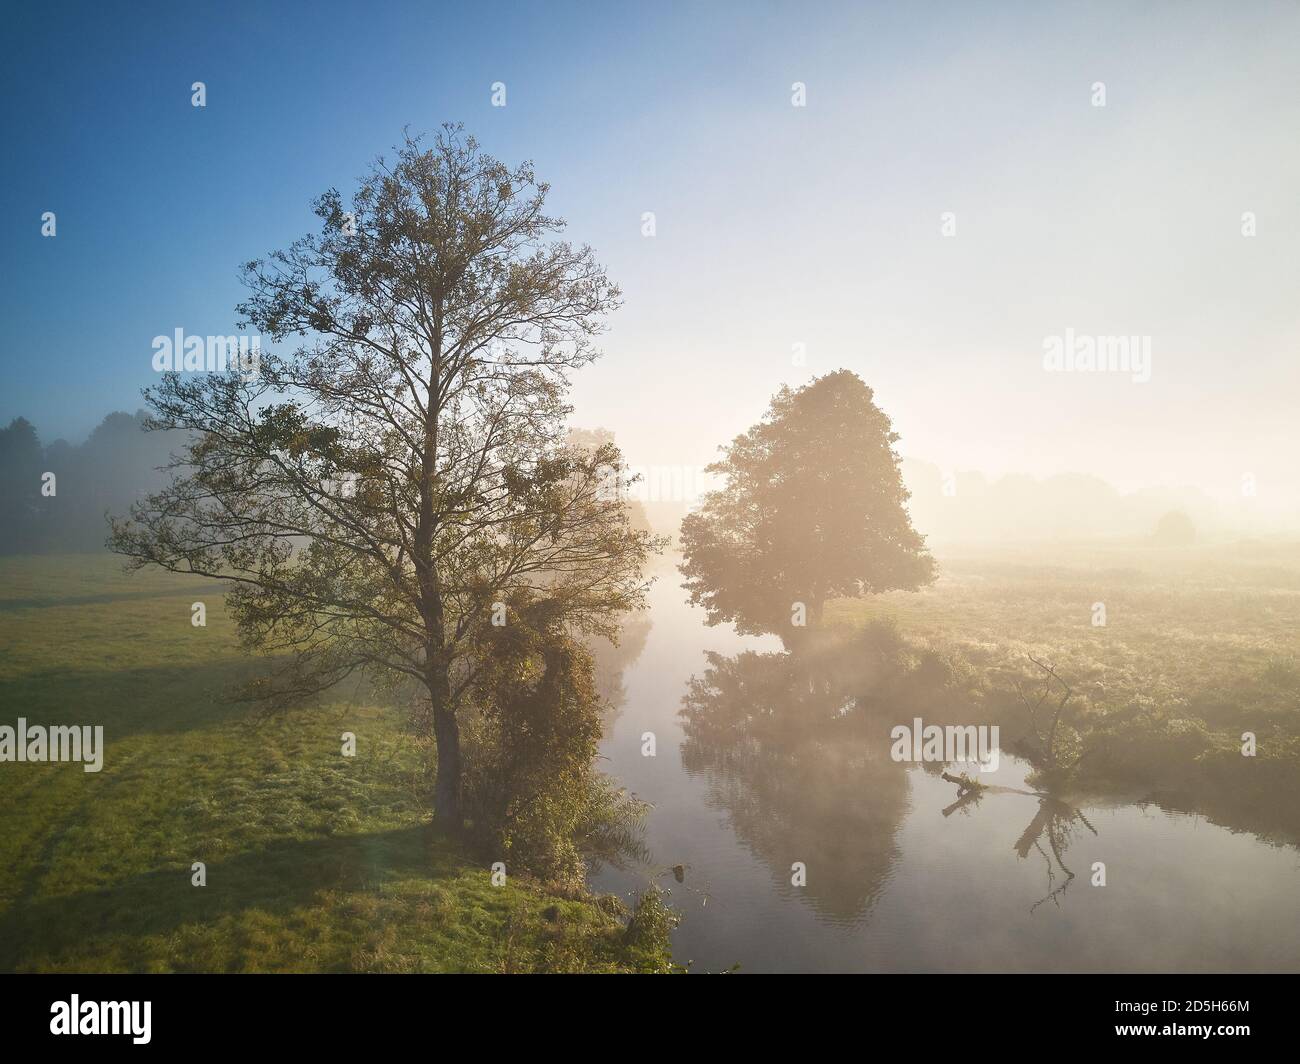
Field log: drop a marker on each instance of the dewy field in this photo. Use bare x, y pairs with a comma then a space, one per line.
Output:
713, 488
1172, 655
315, 861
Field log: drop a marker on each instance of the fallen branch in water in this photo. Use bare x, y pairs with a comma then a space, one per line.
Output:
964, 782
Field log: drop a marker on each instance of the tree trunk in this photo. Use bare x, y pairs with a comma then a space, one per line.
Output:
446, 789
446, 733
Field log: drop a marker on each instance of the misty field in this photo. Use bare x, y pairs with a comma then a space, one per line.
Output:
319, 862
314, 861
1200, 644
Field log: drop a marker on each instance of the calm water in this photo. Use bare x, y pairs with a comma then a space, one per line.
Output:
894, 884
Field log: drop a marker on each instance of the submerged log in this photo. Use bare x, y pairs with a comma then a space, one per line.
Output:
963, 781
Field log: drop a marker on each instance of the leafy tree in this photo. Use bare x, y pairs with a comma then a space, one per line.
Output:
592, 439
21, 512
371, 495
813, 507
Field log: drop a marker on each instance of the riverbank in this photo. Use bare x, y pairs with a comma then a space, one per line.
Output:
1172, 657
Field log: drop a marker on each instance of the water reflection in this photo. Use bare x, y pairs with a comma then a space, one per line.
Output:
785, 756
1049, 833
769, 757
613, 659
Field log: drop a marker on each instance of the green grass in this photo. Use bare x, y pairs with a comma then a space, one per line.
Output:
1200, 645
1214, 630
315, 861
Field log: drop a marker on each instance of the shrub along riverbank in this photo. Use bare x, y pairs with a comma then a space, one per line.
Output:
1200, 645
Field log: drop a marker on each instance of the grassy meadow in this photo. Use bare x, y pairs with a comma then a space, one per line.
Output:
1200, 644
315, 861
319, 862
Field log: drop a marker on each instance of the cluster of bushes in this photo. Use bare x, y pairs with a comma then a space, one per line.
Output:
530, 791
530, 731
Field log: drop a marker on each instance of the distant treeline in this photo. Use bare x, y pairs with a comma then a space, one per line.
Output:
967, 507
115, 466
118, 464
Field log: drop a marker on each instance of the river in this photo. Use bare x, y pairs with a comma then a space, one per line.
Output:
897, 879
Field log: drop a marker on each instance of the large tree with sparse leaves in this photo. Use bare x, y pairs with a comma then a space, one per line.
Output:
377, 495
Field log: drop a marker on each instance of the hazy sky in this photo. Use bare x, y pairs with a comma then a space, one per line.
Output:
775, 225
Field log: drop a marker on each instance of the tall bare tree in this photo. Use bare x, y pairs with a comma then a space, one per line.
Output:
396, 483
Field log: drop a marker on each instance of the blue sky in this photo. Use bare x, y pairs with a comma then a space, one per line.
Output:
775, 225
158, 201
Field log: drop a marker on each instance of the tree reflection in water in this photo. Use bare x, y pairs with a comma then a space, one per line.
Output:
613, 659
786, 756
794, 748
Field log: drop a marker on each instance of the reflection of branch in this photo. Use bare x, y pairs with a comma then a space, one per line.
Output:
1078, 813
965, 799
1056, 818
1053, 816
1052, 895
1031, 834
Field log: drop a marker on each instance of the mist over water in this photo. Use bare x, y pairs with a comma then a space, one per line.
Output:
913, 387
898, 879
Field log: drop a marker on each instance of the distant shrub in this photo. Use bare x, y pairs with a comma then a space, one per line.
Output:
1175, 529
